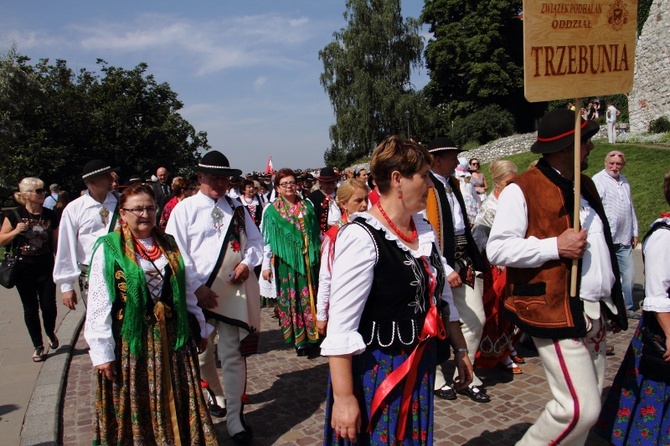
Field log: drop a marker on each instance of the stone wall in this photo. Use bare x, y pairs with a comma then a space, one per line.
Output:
650, 97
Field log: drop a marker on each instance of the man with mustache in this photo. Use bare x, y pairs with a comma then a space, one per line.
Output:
614, 191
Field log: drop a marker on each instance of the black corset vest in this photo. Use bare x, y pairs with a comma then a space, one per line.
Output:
399, 299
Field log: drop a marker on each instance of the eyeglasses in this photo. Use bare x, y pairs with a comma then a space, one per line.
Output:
139, 211
39, 191
288, 184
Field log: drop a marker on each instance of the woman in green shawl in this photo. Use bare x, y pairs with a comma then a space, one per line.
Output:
291, 255
138, 325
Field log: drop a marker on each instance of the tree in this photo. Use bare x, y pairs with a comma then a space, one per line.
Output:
366, 76
475, 59
53, 121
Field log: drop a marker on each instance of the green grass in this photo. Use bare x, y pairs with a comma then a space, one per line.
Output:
645, 169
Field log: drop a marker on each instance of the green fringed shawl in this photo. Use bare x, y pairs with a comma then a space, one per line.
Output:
119, 250
285, 238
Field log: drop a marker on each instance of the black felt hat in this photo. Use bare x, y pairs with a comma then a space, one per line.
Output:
96, 167
327, 174
557, 131
216, 163
442, 143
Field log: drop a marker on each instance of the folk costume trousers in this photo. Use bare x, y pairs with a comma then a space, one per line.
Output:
233, 371
575, 370
468, 301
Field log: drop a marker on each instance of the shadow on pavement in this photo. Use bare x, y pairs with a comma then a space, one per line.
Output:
501, 437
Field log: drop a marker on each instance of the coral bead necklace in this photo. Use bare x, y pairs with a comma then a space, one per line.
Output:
410, 239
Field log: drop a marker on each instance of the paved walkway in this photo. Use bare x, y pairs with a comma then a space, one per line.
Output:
51, 403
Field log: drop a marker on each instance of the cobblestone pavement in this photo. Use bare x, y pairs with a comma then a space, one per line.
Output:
286, 398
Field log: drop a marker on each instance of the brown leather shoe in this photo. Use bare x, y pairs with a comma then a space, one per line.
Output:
518, 359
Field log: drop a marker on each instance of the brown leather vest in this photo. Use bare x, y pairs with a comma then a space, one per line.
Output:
538, 298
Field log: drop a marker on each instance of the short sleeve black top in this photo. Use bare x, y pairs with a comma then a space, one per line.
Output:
37, 240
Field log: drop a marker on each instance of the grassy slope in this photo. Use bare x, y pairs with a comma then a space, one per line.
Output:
645, 169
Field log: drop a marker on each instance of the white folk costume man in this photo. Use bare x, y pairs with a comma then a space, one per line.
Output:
323, 199
535, 239
221, 245
446, 211
90, 216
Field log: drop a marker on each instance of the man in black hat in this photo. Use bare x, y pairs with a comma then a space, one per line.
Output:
90, 216
323, 199
446, 211
221, 245
535, 239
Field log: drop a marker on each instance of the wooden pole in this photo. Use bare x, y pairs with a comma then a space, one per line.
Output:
578, 185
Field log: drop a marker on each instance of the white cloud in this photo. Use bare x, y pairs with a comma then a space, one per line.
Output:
214, 45
260, 82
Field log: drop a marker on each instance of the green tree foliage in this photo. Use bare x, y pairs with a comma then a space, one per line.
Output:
475, 59
643, 7
487, 124
52, 121
366, 76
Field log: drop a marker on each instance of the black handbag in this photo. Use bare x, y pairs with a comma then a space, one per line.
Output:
8, 270
652, 364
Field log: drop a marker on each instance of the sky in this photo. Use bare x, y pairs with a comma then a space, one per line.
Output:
247, 71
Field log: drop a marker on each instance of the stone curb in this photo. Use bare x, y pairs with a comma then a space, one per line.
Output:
41, 422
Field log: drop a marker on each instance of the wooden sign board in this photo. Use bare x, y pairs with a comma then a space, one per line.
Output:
578, 48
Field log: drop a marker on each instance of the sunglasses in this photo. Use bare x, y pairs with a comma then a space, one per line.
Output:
39, 191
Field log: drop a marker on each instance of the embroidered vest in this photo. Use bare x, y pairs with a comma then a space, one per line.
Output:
396, 307
438, 212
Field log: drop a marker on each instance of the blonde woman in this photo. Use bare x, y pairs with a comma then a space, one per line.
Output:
351, 197
31, 230
495, 347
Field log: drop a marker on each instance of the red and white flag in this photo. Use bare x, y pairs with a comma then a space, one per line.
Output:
268, 168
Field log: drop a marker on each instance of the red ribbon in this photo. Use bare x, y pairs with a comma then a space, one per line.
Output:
562, 135
407, 372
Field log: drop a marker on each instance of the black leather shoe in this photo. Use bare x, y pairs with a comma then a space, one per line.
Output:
446, 393
478, 396
217, 411
301, 351
243, 437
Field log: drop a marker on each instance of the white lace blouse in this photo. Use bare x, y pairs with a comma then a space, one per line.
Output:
352, 276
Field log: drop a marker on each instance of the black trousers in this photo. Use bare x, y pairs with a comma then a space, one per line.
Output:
37, 291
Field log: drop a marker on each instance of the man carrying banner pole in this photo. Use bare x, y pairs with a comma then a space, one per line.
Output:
537, 241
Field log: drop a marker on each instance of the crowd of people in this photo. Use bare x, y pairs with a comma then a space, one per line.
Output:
398, 272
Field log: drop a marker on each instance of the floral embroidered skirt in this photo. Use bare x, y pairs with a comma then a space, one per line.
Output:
294, 306
370, 368
134, 409
637, 410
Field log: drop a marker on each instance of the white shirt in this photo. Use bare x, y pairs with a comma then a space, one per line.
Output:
656, 250
508, 245
50, 201
352, 276
98, 326
611, 113
616, 198
456, 213
193, 227
80, 226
